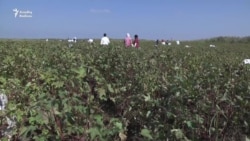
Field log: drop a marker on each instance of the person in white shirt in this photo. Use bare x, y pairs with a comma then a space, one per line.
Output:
105, 40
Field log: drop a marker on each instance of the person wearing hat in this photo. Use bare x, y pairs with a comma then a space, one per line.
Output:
128, 40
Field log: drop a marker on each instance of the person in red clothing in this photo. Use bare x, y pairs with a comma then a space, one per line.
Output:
136, 42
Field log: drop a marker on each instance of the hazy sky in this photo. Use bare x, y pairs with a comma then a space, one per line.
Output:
150, 19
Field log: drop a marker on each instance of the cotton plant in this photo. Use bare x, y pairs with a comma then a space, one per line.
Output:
246, 61
8, 131
3, 101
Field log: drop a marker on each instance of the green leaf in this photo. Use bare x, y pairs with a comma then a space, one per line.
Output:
224, 98
118, 125
81, 72
58, 84
162, 56
146, 133
247, 139
98, 119
147, 97
148, 113
179, 134
199, 119
110, 88
23, 131
189, 124
2, 80
56, 111
94, 132
153, 61
239, 97
102, 93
